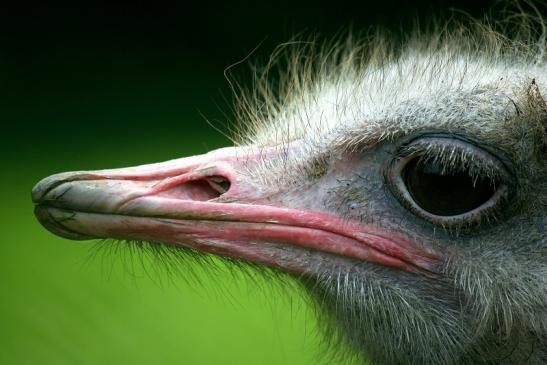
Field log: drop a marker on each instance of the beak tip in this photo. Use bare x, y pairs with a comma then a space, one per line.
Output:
49, 216
39, 190
42, 187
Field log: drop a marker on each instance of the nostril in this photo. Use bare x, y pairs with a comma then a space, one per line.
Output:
219, 183
207, 188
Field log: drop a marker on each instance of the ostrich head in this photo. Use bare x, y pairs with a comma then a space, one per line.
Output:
405, 186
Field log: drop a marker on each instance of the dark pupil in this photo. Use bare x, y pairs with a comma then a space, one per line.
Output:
445, 193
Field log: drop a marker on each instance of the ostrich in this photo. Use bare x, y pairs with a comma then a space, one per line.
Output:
404, 185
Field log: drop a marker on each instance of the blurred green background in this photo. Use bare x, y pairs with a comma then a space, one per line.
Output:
88, 87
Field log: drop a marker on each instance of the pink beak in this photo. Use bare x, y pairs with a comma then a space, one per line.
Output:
205, 203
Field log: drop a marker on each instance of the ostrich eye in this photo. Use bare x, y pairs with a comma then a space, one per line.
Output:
445, 193
448, 181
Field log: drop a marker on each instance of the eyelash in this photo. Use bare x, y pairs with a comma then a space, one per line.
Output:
455, 156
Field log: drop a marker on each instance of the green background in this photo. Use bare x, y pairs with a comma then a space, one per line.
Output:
89, 88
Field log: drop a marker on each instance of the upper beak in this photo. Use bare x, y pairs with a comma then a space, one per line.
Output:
203, 202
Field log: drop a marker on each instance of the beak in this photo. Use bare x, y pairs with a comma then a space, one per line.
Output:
208, 203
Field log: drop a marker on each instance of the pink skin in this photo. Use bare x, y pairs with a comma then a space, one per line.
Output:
181, 202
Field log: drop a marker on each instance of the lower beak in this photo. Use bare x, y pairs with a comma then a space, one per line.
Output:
202, 202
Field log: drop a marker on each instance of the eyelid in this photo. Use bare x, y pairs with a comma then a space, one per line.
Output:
456, 155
